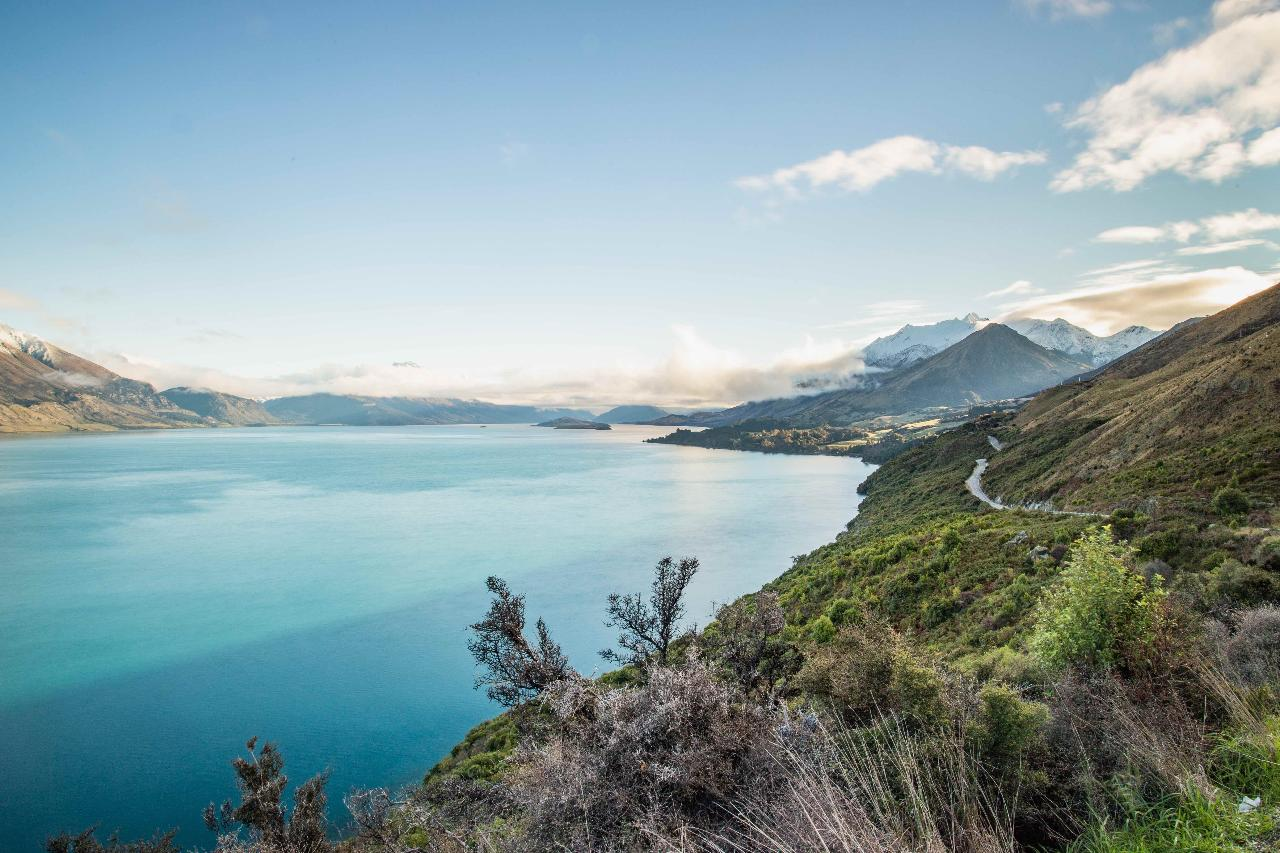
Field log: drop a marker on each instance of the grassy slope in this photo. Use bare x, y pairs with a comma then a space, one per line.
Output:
1176, 419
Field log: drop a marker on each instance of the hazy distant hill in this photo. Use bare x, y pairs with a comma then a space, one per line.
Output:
351, 410
223, 408
631, 415
46, 389
994, 363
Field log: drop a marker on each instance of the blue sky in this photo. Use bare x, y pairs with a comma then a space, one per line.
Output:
600, 203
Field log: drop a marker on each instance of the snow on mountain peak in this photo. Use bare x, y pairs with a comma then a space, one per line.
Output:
913, 343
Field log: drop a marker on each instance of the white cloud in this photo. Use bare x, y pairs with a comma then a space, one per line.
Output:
1221, 227
1205, 111
1157, 301
1132, 234
1227, 226
1127, 266
1018, 288
862, 168
1219, 248
1059, 9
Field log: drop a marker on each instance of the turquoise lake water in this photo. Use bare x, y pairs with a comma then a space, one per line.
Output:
166, 595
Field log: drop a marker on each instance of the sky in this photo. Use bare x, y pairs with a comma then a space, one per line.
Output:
685, 204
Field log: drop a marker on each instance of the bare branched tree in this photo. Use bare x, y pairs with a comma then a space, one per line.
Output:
262, 782
515, 669
647, 628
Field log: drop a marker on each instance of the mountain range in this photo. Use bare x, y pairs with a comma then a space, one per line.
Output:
993, 363
915, 343
957, 362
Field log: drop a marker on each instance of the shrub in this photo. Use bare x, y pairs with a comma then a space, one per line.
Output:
87, 842
514, 670
1099, 613
1230, 502
1252, 651
870, 670
1267, 554
669, 747
745, 640
1006, 727
1233, 584
261, 812
821, 630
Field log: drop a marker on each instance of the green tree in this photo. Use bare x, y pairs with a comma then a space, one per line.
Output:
1230, 501
1099, 613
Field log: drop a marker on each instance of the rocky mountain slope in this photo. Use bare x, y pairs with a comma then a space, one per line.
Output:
44, 388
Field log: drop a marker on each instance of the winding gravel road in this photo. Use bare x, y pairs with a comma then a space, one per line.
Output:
974, 485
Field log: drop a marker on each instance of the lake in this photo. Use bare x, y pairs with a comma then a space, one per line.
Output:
166, 595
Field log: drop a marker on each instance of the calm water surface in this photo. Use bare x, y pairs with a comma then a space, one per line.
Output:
165, 595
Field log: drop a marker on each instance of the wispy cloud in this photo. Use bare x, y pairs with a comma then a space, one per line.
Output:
1126, 266
1207, 111
1221, 227
1062, 9
860, 169
1018, 288
1158, 301
1229, 246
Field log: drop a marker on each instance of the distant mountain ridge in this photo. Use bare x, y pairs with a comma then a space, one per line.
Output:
994, 363
222, 408
631, 415
355, 410
1069, 338
914, 343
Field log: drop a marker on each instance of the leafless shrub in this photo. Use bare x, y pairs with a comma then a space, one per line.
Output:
664, 750
1250, 654
87, 842
647, 628
514, 669
261, 812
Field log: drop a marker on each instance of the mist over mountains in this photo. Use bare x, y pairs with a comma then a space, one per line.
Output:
45, 388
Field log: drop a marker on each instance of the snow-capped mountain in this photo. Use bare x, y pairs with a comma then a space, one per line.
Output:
1066, 337
913, 343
